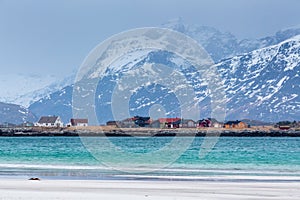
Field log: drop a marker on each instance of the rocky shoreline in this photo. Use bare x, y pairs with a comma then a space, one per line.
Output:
145, 132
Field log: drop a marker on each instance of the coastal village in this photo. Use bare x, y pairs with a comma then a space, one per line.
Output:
161, 123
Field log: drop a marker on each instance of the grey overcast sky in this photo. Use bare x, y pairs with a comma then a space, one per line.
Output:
54, 36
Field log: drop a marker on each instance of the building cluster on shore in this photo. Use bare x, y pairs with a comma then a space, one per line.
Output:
51, 122
138, 121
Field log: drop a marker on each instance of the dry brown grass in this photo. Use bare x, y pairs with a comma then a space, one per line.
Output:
114, 128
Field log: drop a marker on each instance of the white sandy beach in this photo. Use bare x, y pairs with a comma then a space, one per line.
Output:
271, 188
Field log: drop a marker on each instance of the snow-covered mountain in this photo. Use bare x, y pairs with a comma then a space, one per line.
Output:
261, 85
24, 89
221, 45
21, 91
16, 85
15, 114
58, 103
260, 76
264, 84
218, 44
31, 97
141, 101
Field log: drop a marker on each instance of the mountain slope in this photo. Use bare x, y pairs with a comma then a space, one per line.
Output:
261, 85
24, 90
15, 114
58, 103
264, 84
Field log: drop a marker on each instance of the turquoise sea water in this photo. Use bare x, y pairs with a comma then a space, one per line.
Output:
68, 157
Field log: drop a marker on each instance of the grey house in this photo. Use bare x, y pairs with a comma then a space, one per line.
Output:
188, 123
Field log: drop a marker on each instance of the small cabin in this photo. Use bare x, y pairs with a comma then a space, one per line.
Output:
188, 123
112, 123
286, 127
235, 124
79, 122
170, 122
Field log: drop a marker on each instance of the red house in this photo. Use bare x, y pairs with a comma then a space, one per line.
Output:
170, 122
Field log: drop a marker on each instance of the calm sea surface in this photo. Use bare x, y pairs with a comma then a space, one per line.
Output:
69, 157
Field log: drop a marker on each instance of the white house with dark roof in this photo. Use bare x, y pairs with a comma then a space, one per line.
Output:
50, 121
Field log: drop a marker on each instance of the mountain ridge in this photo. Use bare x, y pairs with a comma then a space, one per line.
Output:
260, 85
259, 56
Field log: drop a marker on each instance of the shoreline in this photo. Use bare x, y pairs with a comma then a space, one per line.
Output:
163, 178
106, 131
133, 189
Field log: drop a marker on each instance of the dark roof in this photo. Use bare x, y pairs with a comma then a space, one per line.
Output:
48, 120
187, 120
141, 118
213, 120
233, 122
79, 121
204, 120
112, 122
